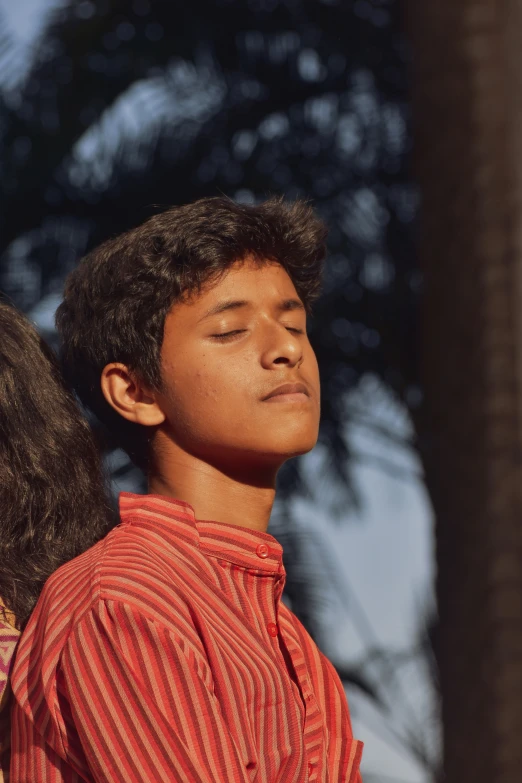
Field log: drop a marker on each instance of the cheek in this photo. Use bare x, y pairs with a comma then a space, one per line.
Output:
202, 397
313, 370
217, 381
204, 386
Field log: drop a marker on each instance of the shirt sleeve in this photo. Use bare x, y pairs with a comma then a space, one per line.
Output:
140, 704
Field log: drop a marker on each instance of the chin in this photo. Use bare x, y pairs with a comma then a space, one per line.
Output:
302, 450
288, 450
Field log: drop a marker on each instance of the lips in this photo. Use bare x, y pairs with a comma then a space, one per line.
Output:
288, 388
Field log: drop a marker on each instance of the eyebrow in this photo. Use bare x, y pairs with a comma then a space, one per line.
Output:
285, 306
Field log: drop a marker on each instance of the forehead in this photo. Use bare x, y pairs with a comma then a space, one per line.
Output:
262, 277
261, 284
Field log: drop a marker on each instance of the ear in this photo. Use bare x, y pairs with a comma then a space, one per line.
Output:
128, 397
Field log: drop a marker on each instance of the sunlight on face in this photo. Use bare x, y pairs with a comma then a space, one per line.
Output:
224, 352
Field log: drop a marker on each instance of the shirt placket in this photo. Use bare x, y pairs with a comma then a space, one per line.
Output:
313, 722
313, 728
272, 628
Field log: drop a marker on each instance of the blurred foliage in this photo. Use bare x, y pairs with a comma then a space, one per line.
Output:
131, 106
128, 106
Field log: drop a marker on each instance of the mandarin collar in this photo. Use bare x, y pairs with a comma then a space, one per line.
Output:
241, 546
238, 545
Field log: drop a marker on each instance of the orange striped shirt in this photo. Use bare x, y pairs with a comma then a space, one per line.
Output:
164, 653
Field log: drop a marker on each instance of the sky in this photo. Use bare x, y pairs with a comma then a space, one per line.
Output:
23, 21
383, 559
381, 556
25, 16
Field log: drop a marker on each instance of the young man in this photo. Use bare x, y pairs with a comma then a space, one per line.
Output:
164, 653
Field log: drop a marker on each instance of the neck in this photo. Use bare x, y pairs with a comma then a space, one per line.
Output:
223, 495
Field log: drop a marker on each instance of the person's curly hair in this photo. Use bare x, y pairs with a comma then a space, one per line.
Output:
117, 299
53, 497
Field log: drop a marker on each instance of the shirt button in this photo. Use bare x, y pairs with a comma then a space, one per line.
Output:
262, 551
272, 629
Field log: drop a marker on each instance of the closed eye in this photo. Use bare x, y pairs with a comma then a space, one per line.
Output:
223, 336
227, 335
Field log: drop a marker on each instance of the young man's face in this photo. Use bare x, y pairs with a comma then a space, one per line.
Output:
225, 353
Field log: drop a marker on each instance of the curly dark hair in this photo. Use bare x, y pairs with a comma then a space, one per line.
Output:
53, 496
117, 299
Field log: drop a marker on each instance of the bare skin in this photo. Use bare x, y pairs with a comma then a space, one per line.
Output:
218, 440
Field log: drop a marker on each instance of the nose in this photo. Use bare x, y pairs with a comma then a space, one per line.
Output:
282, 347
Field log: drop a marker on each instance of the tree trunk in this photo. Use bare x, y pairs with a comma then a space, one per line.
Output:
467, 73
